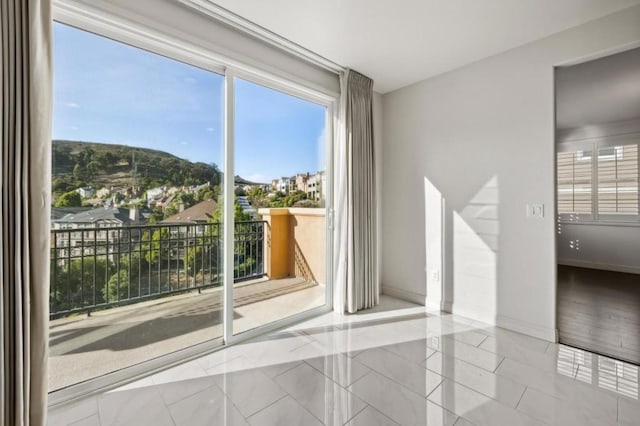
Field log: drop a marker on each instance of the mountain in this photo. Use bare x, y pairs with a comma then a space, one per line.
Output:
242, 181
77, 163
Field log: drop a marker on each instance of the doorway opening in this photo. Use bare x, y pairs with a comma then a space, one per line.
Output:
598, 210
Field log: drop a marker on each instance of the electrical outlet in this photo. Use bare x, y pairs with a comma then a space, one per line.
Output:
535, 211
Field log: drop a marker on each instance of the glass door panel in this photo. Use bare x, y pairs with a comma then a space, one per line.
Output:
280, 190
136, 244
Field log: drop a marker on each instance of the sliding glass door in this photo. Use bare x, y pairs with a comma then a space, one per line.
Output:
189, 206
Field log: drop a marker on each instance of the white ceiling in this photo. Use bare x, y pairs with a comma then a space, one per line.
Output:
400, 42
600, 91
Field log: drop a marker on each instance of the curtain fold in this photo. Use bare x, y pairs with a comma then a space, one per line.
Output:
25, 117
357, 283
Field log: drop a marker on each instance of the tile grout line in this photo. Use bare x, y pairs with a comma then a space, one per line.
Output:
366, 404
214, 384
291, 367
363, 376
458, 382
443, 378
227, 397
401, 384
482, 341
499, 364
326, 378
286, 394
331, 378
81, 418
521, 396
443, 408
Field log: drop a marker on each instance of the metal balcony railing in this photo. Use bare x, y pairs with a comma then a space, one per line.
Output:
97, 268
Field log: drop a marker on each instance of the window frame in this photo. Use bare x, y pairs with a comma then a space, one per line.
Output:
593, 145
138, 33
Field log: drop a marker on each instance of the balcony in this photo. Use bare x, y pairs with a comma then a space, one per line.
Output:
123, 295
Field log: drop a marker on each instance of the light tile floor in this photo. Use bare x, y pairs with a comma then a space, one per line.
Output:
394, 364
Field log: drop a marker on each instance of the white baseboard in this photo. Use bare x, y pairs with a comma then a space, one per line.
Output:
545, 333
595, 265
503, 321
402, 294
453, 309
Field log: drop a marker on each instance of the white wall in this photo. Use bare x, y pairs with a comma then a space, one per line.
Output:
483, 137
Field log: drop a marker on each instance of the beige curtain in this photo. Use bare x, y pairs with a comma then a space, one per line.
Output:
357, 285
25, 114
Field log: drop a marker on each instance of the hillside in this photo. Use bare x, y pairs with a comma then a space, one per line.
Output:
98, 165
242, 181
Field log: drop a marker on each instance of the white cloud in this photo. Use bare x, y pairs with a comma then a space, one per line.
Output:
71, 105
184, 143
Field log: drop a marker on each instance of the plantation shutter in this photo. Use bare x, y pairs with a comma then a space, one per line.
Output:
618, 180
574, 177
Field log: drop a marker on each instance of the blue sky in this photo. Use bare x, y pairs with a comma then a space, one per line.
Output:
113, 93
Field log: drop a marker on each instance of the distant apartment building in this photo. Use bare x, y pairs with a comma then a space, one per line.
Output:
301, 181
316, 186
95, 231
313, 185
284, 184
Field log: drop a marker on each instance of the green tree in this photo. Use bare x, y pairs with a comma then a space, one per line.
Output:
60, 185
118, 288
239, 215
277, 200
105, 159
207, 193
294, 197
75, 284
61, 157
154, 246
156, 216
69, 199
78, 174
93, 167
85, 156
193, 259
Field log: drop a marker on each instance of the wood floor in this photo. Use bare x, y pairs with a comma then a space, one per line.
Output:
600, 311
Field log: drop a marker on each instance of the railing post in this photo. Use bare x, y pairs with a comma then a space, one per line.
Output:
278, 242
